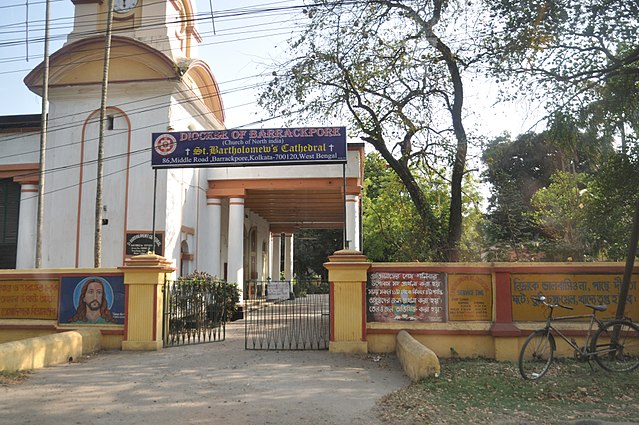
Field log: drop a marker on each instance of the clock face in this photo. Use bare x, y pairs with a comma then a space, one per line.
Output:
122, 6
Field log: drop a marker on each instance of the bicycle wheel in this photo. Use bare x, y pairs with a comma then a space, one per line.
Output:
616, 346
536, 354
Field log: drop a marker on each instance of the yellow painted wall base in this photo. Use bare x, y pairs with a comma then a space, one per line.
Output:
507, 348
111, 342
347, 347
10, 335
34, 353
142, 345
444, 346
448, 346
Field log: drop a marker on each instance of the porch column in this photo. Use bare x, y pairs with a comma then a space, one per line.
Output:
352, 222
288, 259
27, 226
236, 243
276, 249
212, 244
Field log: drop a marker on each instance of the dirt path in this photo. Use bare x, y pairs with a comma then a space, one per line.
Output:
217, 383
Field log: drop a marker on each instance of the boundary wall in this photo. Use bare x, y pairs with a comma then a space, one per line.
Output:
463, 309
454, 309
37, 305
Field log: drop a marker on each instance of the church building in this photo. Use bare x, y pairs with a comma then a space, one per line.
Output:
232, 222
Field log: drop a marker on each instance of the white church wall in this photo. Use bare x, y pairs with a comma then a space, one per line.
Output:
148, 113
19, 148
73, 185
62, 187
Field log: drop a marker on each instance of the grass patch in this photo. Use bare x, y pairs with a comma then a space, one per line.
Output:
480, 391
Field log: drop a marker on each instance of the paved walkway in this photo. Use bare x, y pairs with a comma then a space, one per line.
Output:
216, 383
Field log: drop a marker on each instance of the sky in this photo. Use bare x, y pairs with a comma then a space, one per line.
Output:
240, 45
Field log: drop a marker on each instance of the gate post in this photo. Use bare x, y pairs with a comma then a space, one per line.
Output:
144, 277
347, 276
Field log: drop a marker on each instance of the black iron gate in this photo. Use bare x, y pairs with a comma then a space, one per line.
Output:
276, 318
194, 311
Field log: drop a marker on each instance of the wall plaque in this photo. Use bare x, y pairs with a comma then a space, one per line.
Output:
573, 290
406, 297
470, 297
138, 243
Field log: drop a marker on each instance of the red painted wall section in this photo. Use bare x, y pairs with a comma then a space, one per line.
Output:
503, 325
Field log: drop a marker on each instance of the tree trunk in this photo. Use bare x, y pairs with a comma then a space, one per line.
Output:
630, 263
424, 209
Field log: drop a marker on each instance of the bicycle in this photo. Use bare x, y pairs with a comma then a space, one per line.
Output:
614, 344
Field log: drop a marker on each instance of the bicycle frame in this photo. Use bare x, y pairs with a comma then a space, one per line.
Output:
615, 352
584, 351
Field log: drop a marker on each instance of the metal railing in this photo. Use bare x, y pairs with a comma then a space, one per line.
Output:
277, 319
194, 311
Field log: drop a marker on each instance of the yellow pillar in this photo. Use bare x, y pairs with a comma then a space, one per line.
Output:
144, 277
347, 276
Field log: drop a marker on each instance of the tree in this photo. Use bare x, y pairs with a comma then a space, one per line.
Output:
579, 53
515, 170
615, 111
612, 199
559, 214
391, 224
540, 166
386, 68
509, 226
311, 250
577, 57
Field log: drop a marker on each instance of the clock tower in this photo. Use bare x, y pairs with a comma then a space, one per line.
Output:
123, 6
156, 84
153, 42
167, 26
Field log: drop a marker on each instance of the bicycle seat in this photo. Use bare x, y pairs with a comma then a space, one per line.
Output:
597, 307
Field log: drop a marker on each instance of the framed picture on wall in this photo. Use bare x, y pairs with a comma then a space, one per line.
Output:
92, 300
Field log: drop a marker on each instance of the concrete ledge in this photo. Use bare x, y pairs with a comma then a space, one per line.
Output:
417, 360
38, 352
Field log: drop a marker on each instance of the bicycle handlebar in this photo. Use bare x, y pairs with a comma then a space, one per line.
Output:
541, 299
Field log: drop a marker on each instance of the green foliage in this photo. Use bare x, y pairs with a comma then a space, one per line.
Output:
309, 286
311, 250
392, 228
538, 201
612, 196
559, 213
581, 58
473, 240
515, 170
229, 291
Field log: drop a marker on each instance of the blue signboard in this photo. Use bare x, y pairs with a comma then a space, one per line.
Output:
228, 148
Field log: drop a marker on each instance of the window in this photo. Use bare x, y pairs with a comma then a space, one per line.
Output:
9, 213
